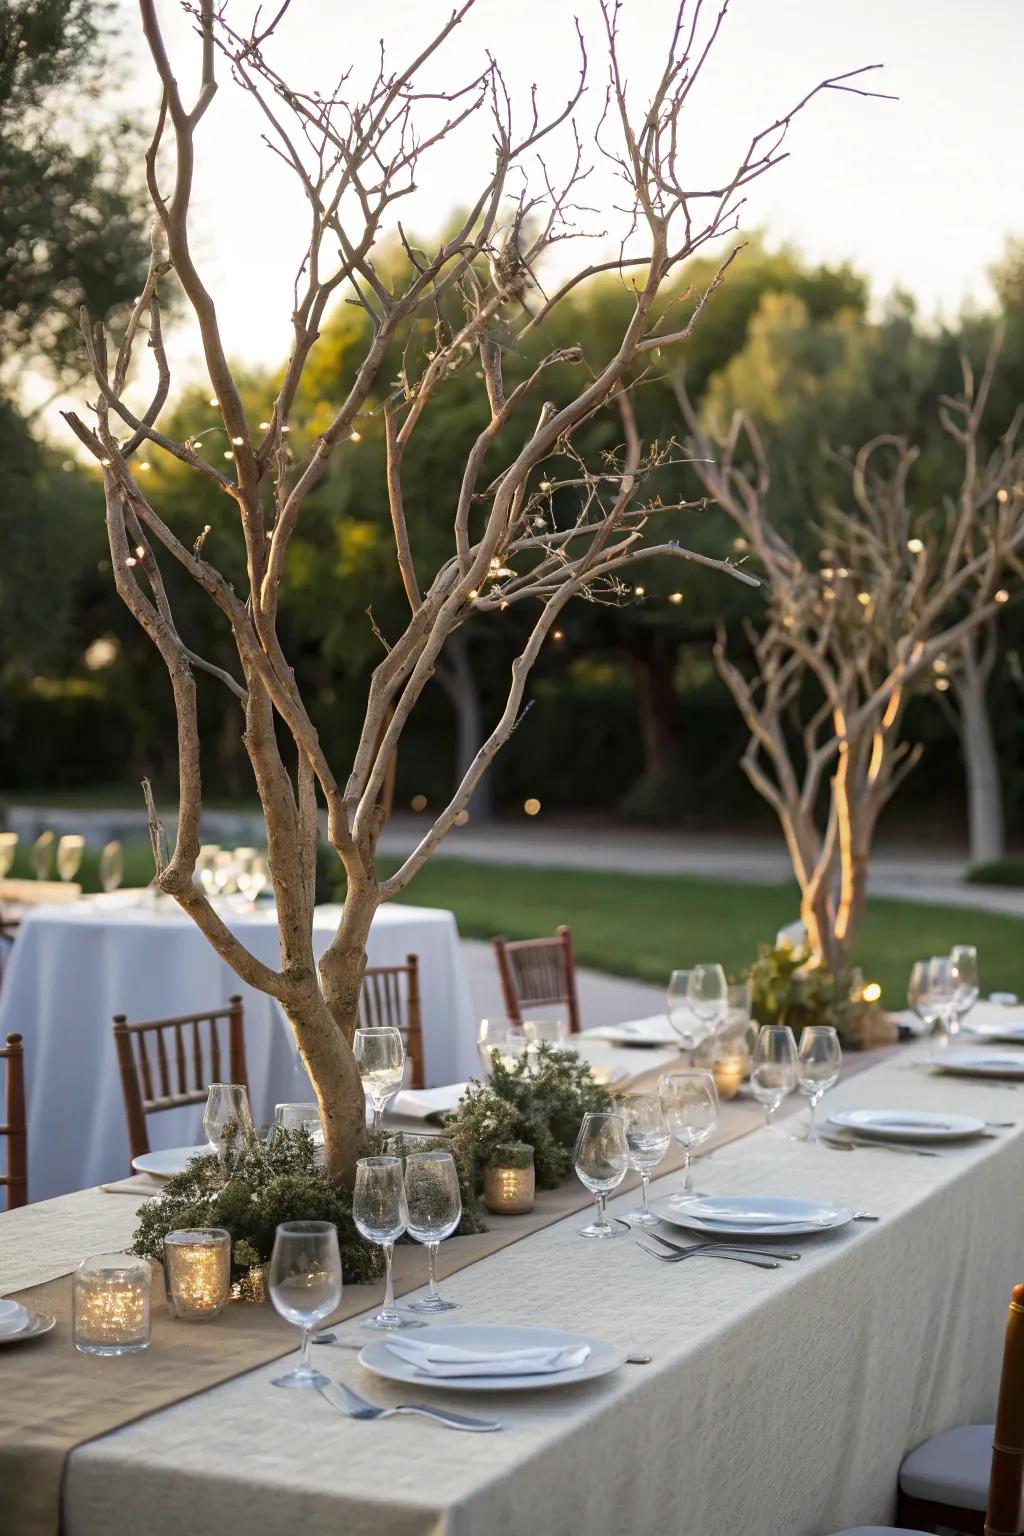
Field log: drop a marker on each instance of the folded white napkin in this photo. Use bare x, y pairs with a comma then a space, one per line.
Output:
448, 1360
421, 1103
13, 1318
653, 1031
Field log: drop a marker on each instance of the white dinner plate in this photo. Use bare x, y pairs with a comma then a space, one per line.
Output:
643, 1032
753, 1215
980, 1063
164, 1165
603, 1358
1011, 1031
38, 1323
907, 1124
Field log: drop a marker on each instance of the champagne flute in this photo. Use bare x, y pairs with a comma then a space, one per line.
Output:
111, 866
773, 1070
689, 1102
305, 1287
227, 1117
8, 848
965, 962
647, 1137
381, 1216
601, 1159
380, 1057
42, 856
434, 1203
818, 1062
69, 855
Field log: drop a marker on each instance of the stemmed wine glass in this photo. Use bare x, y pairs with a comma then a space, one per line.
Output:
505, 1038
932, 995
111, 866
647, 1137
300, 1117
817, 1067
253, 877
434, 1203
380, 1057
553, 1032
601, 1158
226, 1117
205, 863
69, 855
965, 963
681, 1016
773, 1069
305, 1287
708, 994
380, 1214
689, 1102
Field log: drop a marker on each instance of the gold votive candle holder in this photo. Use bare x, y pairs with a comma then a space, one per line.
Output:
197, 1273
111, 1305
508, 1190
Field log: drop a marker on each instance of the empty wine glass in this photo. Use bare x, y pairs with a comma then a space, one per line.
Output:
504, 1037
380, 1057
920, 997
818, 1062
205, 862
227, 1117
253, 877
8, 848
680, 1015
111, 866
708, 994
968, 990
601, 1159
380, 1214
224, 872
305, 1287
647, 1137
300, 1117
547, 1031
689, 1102
773, 1069
434, 1204
42, 856
69, 855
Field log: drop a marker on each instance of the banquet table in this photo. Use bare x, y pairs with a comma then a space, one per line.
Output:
777, 1403
74, 966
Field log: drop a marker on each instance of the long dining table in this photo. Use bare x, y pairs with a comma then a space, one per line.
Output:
775, 1403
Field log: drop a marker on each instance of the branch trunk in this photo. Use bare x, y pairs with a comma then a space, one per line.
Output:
986, 828
327, 1057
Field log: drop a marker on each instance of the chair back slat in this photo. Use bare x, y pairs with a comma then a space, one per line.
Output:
15, 1129
179, 1041
1006, 1481
382, 1005
538, 973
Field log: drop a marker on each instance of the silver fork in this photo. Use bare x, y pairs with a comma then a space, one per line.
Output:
756, 1253
356, 1407
713, 1253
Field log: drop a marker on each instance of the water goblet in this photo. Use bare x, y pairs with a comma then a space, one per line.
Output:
227, 1117
69, 855
380, 1057
305, 1287
8, 848
819, 1059
111, 866
968, 989
601, 1158
434, 1204
689, 1102
773, 1068
647, 1137
381, 1216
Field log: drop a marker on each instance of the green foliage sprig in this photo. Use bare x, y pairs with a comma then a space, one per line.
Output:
788, 990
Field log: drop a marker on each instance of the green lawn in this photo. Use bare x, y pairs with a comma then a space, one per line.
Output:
645, 925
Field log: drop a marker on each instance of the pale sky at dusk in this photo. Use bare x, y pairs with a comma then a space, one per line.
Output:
921, 192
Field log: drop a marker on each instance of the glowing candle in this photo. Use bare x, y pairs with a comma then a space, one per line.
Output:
111, 1305
509, 1191
197, 1273
729, 1071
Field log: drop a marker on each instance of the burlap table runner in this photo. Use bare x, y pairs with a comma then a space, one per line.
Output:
52, 1398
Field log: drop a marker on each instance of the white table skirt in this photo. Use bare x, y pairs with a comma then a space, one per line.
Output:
72, 968
778, 1403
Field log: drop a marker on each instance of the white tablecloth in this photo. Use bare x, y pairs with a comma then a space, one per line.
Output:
778, 1403
73, 967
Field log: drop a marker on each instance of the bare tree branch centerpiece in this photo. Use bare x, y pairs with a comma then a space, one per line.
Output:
894, 595
461, 306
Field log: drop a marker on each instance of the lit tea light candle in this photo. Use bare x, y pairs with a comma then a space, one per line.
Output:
197, 1272
111, 1305
510, 1184
728, 1072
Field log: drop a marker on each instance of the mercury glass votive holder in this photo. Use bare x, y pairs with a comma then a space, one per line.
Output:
197, 1273
509, 1191
111, 1305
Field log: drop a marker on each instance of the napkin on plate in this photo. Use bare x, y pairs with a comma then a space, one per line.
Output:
448, 1360
421, 1103
14, 1318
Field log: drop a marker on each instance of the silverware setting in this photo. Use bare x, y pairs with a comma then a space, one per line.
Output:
850, 1144
711, 1253
729, 1247
355, 1407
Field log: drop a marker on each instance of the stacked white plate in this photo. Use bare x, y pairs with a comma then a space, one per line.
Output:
753, 1215
1009, 1031
980, 1063
906, 1124
471, 1347
164, 1165
17, 1323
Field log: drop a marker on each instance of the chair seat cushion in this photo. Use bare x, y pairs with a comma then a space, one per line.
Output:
951, 1468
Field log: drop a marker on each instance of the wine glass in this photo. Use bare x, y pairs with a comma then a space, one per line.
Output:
647, 1137
305, 1287
8, 848
552, 1032
42, 856
111, 866
504, 1037
69, 855
708, 994
689, 1102
817, 1067
224, 882
380, 1057
205, 866
253, 878
773, 1069
965, 962
920, 997
434, 1203
300, 1117
680, 1014
380, 1214
601, 1159
227, 1117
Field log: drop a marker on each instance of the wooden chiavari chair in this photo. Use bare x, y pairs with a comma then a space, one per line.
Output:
537, 974
382, 1005
15, 1128
163, 1063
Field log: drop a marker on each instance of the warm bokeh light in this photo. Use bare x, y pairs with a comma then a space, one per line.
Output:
675, 597
1002, 596
418, 802
461, 817
531, 807
916, 546
872, 992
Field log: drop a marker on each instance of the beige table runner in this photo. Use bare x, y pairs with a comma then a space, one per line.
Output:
54, 1399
